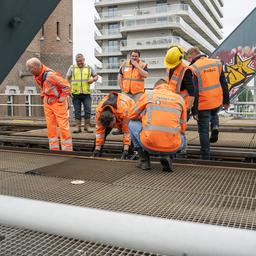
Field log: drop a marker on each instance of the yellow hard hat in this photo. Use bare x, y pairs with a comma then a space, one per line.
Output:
173, 56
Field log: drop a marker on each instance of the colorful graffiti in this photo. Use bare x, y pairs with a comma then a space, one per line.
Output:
240, 65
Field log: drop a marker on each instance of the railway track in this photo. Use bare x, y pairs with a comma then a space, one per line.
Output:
114, 148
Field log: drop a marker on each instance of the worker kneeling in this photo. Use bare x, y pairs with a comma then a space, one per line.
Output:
113, 112
160, 130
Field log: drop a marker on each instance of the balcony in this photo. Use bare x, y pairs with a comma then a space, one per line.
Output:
109, 85
182, 10
202, 13
105, 17
107, 52
212, 12
107, 34
217, 6
153, 43
102, 3
109, 68
176, 23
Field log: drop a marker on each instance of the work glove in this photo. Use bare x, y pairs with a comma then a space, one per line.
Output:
125, 155
96, 153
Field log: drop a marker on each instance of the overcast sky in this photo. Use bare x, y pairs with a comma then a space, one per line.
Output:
234, 12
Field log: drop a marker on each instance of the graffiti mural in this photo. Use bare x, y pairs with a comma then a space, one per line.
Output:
238, 53
240, 65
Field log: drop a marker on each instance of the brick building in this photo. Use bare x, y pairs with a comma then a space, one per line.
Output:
53, 45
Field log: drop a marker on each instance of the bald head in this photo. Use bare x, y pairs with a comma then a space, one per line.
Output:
34, 66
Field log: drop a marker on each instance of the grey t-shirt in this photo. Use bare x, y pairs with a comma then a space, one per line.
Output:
70, 71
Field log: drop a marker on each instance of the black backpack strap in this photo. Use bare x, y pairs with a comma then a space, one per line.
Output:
44, 76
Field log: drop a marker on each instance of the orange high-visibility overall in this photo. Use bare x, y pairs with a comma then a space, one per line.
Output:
55, 90
163, 115
121, 112
176, 80
133, 81
208, 73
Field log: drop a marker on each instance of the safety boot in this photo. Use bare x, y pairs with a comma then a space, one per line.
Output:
166, 163
78, 126
214, 134
87, 126
144, 160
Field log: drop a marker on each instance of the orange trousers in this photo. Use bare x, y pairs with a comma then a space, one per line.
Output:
57, 115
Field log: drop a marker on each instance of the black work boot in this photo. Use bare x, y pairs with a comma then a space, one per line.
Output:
214, 134
144, 160
166, 163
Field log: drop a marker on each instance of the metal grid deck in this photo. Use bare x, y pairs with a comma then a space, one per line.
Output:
212, 195
23, 242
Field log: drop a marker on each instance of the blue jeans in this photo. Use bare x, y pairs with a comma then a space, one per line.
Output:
135, 128
204, 118
78, 100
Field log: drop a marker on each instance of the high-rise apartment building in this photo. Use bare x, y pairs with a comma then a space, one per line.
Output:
151, 27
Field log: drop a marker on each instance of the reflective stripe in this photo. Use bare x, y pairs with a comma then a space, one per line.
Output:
198, 74
161, 128
53, 88
209, 66
54, 139
164, 109
183, 121
180, 79
68, 141
133, 79
66, 148
150, 99
136, 110
54, 147
183, 95
81, 80
99, 136
208, 88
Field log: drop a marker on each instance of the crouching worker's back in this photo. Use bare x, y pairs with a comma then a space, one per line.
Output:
161, 127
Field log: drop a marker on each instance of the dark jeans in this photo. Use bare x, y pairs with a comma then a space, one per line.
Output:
78, 100
204, 118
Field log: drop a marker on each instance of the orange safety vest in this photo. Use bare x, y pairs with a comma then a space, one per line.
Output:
133, 81
208, 73
163, 114
176, 80
121, 112
52, 85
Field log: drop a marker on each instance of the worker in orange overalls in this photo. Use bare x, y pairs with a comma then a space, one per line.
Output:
161, 127
179, 76
131, 76
212, 94
55, 91
113, 111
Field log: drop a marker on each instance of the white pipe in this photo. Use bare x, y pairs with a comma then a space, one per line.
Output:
133, 231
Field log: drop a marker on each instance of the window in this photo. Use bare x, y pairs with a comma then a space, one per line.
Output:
112, 11
28, 103
42, 33
161, 6
58, 30
113, 45
10, 102
70, 33
113, 62
113, 28
112, 79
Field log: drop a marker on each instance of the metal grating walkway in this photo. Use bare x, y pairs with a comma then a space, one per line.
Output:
23, 242
212, 195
